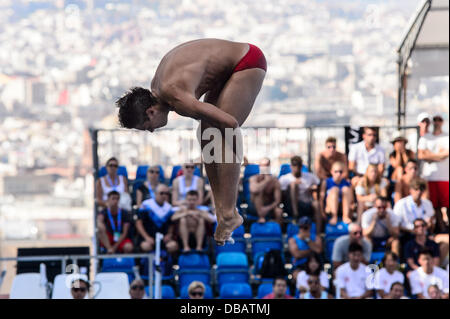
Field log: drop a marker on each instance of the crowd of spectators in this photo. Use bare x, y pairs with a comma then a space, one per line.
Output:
397, 208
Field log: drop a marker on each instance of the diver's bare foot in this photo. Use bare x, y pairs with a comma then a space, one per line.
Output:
226, 227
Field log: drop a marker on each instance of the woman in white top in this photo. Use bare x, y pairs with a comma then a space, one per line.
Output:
386, 276
184, 183
369, 187
313, 267
111, 181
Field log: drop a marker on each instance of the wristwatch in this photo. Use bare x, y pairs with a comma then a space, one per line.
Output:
307, 239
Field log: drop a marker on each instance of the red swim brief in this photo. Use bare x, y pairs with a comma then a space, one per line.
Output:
253, 59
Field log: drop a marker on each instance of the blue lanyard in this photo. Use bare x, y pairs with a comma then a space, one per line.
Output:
413, 210
119, 221
150, 190
114, 185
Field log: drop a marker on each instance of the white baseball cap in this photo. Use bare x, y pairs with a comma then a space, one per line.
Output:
422, 116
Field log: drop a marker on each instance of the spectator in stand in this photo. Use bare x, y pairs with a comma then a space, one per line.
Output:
351, 277
342, 244
147, 189
113, 224
315, 290
265, 193
434, 151
336, 191
423, 121
414, 206
192, 223
303, 245
434, 292
279, 289
420, 241
137, 289
110, 182
388, 275
313, 267
397, 291
426, 275
400, 156
196, 290
154, 216
370, 186
326, 159
381, 226
301, 190
184, 183
79, 288
402, 186
364, 153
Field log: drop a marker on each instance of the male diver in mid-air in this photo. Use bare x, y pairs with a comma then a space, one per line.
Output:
230, 74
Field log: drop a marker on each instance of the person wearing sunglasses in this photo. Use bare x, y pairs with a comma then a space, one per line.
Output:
399, 156
147, 189
185, 183
79, 288
342, 244
335, 193
196, 290
192, 223
315, 290
433, 149
154, 216
110, 182
325, 160
137, 289
420, 241
402, 186
381, 226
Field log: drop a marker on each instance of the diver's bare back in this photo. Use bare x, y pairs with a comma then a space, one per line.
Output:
197, 67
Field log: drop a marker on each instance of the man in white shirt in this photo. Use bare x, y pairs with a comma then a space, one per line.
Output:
426, 275
414, 206
381, 226
434, 151
301, 189
351, 277
364, 153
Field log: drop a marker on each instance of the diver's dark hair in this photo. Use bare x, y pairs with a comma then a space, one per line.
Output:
132, 106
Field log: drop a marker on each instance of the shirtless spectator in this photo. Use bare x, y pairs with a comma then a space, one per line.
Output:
192, 223
154, 216
400, 156
110, 182
364, 153
265, 193
402, 186
184, 183
336, 192
327, 158
148, 188
301, 189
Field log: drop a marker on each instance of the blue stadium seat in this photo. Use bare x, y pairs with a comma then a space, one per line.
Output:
167, 292
236, 291
332, 232
265, 288
286, 169
239, 245
122, 170
185, 295
232, 267
193, 266
141, 173
376, 257
119, 265
166, 265
264, 237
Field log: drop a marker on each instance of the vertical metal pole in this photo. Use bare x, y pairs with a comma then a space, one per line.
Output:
310, 131
94, 136
399, 91
150, 275
158, 277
